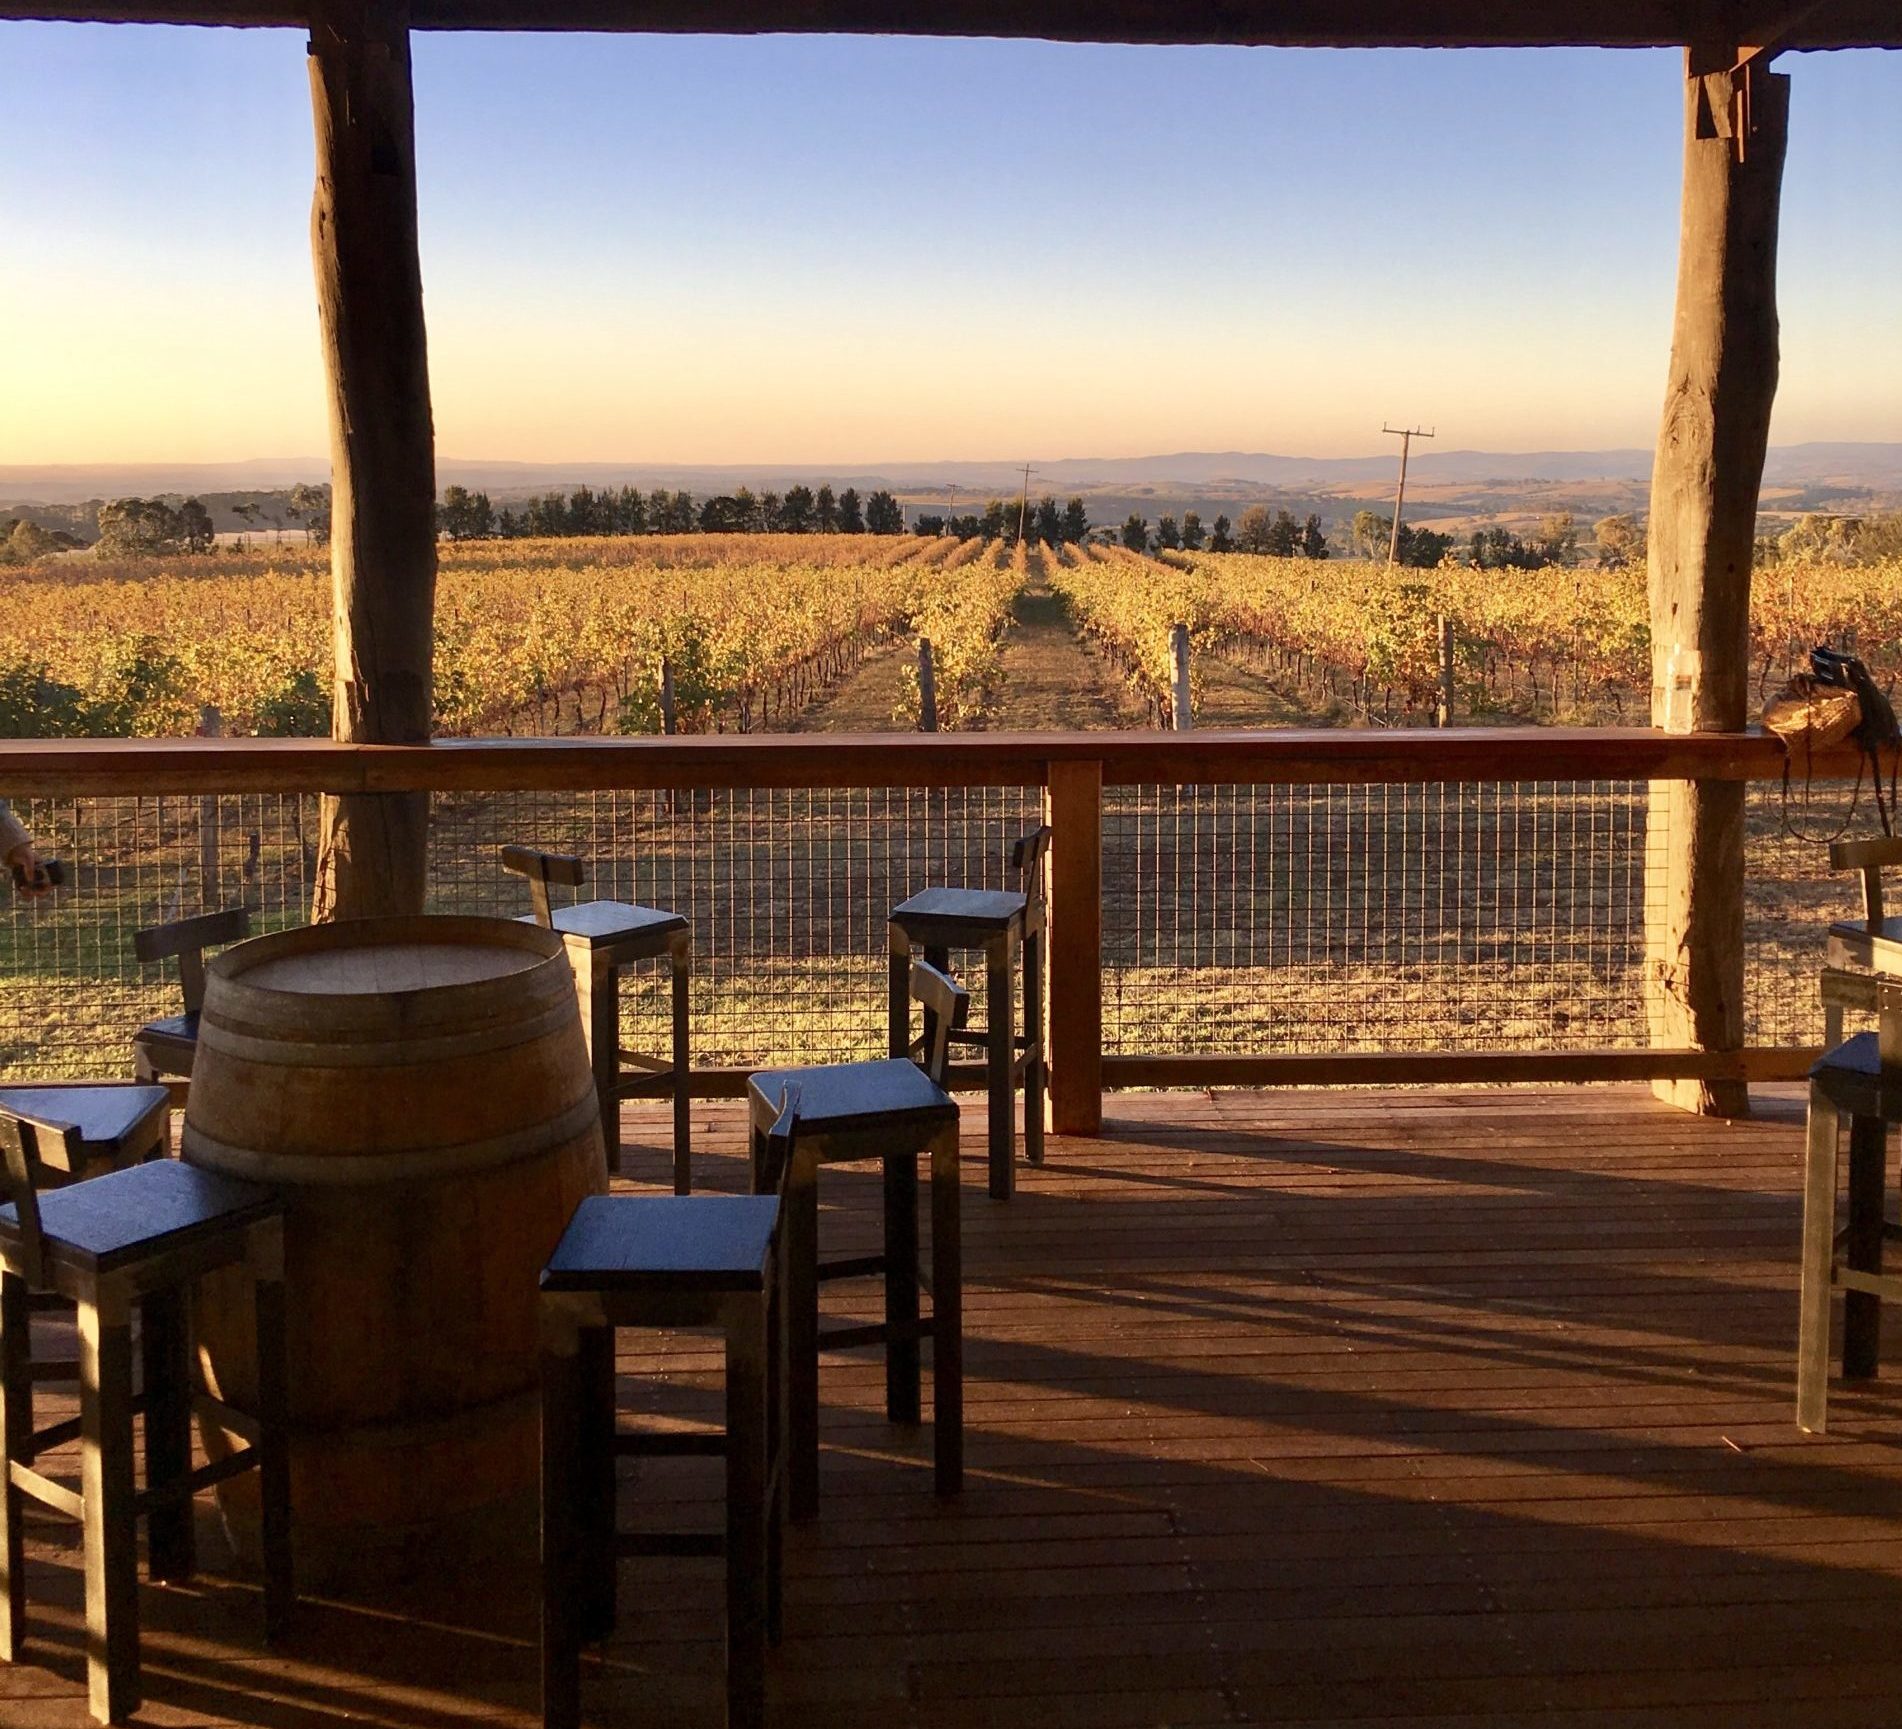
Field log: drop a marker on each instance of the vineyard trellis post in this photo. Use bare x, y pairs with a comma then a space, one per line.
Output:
1704, 484
373, 847
927, 688
1444, 633
1181, 717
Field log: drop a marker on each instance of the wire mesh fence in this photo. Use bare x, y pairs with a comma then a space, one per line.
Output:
1236, 918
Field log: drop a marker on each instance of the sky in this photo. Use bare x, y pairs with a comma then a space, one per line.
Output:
840, 250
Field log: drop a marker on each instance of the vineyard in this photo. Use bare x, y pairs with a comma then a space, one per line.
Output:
532, 637
1552, 644
571, 635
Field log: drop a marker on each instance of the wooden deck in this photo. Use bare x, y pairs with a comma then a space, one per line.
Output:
1462, 1410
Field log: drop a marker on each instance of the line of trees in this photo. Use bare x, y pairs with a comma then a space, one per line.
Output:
1045, 522
1275, 533
466, 515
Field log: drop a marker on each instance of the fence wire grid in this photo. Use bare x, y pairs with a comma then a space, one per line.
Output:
1236, 918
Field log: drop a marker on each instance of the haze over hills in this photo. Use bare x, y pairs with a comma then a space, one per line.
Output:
1452, 490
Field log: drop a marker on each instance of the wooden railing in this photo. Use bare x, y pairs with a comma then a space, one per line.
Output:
1073, 770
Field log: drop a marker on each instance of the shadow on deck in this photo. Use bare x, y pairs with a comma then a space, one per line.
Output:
1454, 1409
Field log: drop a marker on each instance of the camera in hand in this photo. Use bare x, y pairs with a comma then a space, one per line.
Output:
51, 874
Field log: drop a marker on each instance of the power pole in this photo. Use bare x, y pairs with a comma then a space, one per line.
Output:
1406, 435
1023, 509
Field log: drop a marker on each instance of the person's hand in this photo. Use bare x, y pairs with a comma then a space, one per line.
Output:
29, 875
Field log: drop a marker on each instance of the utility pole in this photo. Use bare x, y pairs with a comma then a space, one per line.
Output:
1023, 508
1406, 435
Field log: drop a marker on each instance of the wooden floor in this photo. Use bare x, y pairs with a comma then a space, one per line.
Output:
1461, 1410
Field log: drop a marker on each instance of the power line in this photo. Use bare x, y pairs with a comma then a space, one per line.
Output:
1406, 435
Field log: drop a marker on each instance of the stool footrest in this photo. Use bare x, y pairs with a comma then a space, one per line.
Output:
876, 1333
1876, 1284
669, 1543
240, 1423
644, 1444
183, 1488
56, 1368
53, 1435
851, 1267
46, 1491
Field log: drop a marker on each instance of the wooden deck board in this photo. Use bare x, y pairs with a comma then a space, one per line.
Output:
1423, 1410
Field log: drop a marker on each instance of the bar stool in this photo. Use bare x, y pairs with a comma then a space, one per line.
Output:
140, 1236
1856, 952
1001, 923
1854, 1082
894, 1111
167, 1046
662, 1261
601, 938
83, 1126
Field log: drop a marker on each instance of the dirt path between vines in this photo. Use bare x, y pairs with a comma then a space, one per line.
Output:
1052, 679
866, 700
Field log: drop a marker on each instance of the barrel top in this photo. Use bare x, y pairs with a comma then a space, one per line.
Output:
378, 969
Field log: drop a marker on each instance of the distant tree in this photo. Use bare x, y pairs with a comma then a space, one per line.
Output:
464, 515
851, 512
195, 532
630, 511
22, 542
993, 520
1423, 548
766, 513
1136, 533
1076, 522
967, 527
1220, 539
1047, 525
1193, 533
1619, 542
137, 528
825, 510
310, 505
930, 525
581, 511
728, 513
1282, 535
1252, 533
883, 514
246, 513
796, 510
680, 513
1168, 536
1371, 532
1491, 548
1557, 538
1313, 541
508, 525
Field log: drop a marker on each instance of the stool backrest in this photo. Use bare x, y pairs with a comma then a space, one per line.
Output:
19, 1181
780, 1137
947, 1004
188, 939
1027, 854
541, 869
1867, 856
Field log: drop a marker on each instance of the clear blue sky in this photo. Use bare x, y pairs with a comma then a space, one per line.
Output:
834, 249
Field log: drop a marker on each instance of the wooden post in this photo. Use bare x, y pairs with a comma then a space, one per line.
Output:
210, 725
1704, 484
372, 849
1445, 716
669, 716
927, 688
1073, 1023
1181, 717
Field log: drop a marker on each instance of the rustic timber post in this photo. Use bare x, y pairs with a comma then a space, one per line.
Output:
1704, 484
372, 850
1073, 1018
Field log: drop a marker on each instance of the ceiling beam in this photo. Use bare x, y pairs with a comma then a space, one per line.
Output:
1282, 23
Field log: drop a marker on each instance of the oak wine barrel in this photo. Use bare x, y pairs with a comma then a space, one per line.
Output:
419, 1090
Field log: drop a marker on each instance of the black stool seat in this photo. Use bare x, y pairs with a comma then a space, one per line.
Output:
836, 1096
140, 1212
606, 923
1855, 944
661, 1261
1851, 1077
115, 1121
183, 1027
951, 914
666, 1242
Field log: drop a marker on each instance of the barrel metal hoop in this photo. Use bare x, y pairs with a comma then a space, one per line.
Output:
375, 1170
379, 1050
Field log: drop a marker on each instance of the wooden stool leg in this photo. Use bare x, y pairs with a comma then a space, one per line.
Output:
561, 1424
16, 1428
1862, 1310
598, 987
1819, 1240
947, 1314
1033, 1046
1001, 1038
680, 956
165, 1357
776, 1448
593, 1490
266, 1255
747, 1561
902, 1402
1832, 1024
799, 1219
898, 992
108, 1517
